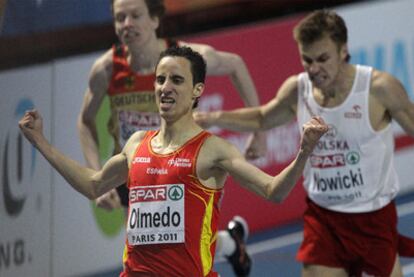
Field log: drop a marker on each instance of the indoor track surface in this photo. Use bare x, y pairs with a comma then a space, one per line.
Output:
273, 251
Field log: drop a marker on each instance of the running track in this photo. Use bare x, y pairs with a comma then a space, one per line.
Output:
273, 252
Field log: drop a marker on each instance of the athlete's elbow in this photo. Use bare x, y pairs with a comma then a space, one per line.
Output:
271, 194
89, 192
93, 194
236, 65
85, 120
237, 61
93, 190
275, 195
278, 198
90, 196
263, 123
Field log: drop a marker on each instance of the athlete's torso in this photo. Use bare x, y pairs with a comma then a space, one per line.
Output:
173, 218
351, 168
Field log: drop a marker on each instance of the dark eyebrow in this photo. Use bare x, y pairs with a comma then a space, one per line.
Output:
323, 55
177, 77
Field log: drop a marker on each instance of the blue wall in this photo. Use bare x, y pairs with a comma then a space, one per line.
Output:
24, 17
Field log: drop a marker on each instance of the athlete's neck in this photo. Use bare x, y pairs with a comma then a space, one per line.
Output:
173, 135
144, 59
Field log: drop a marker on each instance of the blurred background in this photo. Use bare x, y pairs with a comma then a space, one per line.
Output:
56, 28
47, 48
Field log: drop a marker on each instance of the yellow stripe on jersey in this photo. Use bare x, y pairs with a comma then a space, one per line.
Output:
125, 255
206, 238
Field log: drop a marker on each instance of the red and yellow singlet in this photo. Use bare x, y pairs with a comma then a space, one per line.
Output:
172, 218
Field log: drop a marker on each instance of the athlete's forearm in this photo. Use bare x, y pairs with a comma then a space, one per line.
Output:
243, 82
285, 181
79, 177
241, 120
89, 142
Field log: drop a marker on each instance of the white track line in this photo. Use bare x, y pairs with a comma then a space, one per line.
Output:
271, 244
275, 243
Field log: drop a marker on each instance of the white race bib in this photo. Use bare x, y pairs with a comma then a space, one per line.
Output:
156, 215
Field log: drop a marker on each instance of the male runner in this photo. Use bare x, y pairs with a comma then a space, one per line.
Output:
125, 73
175, 175
350, 225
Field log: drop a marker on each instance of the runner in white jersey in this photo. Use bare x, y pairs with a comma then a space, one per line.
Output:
350, 224
340, 176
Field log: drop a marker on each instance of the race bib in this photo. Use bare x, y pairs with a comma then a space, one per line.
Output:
130, 122
156, 215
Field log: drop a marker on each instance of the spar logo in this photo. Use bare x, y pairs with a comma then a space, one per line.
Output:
327, 161
148, 194
352, 158
156, 193
336, 160
18, 160
175, 193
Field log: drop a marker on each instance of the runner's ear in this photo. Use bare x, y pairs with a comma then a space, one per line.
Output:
198, 90
343, 51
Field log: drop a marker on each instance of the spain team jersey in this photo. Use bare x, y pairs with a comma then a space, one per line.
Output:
172, 218
132, 99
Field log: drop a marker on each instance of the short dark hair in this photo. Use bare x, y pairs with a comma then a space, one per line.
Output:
318, 24
197, 63
155, 7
